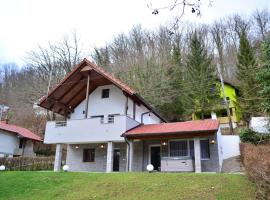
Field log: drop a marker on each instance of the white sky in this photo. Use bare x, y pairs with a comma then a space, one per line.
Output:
27, 23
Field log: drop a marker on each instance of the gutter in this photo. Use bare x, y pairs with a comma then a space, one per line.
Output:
143, 115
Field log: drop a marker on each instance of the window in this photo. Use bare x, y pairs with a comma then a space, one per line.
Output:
191, 148
21, 143
178, 148
105, 93
89, 155
205, 153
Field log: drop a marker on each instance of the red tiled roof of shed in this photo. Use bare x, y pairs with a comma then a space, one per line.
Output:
19, 130
197, 126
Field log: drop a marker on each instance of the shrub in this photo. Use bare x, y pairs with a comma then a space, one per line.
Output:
27, 163
256, 159
250, 136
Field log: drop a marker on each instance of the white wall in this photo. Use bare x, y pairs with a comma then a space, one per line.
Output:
230, 146
8, 142
260, 124
115, 104
88, 130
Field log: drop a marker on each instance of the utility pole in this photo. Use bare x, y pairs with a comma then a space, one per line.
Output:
225, 99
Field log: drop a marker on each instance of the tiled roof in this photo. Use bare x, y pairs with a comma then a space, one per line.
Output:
19, 130
176, 127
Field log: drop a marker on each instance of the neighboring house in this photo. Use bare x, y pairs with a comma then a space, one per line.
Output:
220, 111
110, 127
16, 141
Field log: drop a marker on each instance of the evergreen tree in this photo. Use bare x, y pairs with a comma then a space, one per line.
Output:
246, 70
199, 91
173, 110
263, 77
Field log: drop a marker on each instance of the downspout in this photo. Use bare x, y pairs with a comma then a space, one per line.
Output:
143, 115
128, 152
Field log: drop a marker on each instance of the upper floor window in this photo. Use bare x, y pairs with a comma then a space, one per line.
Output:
105, 93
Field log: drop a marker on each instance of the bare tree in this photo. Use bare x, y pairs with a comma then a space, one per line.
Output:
55, 60
262, 19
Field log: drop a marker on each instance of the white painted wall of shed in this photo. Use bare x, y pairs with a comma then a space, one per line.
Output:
8, 142
230, 146
260, 124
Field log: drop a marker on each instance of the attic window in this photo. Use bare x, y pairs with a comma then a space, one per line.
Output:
105, 93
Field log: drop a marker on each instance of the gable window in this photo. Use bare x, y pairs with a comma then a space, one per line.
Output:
205, 152
179, 148
88, 155
105, 93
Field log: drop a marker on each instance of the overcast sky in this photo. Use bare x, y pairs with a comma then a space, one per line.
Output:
27, 23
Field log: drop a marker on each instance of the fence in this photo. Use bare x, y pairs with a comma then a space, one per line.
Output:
27, 163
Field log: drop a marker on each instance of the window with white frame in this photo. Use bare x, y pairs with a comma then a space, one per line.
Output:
205, 151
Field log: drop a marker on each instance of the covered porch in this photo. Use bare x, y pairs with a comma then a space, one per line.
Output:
175, 147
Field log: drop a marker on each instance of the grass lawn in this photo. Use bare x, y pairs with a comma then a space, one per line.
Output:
49, 185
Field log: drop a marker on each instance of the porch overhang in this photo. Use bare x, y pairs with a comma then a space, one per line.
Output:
188, 129
176, 135
71, 91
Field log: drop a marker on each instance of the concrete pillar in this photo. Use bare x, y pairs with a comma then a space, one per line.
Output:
197, 155
131, 155
58, 158
109, 166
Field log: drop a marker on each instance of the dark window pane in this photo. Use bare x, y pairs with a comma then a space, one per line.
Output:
205, 153
191, 148
89, 155
21, 143
105, 93
178, 148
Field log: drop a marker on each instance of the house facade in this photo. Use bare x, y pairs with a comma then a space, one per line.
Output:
110, 127
220, 111
16, 141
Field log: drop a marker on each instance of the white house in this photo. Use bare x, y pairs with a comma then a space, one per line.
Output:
16, 141
110, 127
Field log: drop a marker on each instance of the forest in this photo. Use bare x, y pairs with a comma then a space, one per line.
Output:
174, 70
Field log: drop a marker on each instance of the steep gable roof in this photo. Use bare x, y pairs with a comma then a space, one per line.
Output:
70, 92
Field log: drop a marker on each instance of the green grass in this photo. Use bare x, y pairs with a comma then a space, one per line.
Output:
49, 185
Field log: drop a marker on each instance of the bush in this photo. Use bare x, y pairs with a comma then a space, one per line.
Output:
27, 163
250, 136
256, 159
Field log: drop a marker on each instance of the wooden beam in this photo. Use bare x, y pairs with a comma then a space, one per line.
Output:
71, 88
87, 96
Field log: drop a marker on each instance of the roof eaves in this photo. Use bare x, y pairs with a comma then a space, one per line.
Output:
168, 133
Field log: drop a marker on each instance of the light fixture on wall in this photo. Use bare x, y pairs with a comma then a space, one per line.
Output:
77, 147
164, 143
102, 146
212, 141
